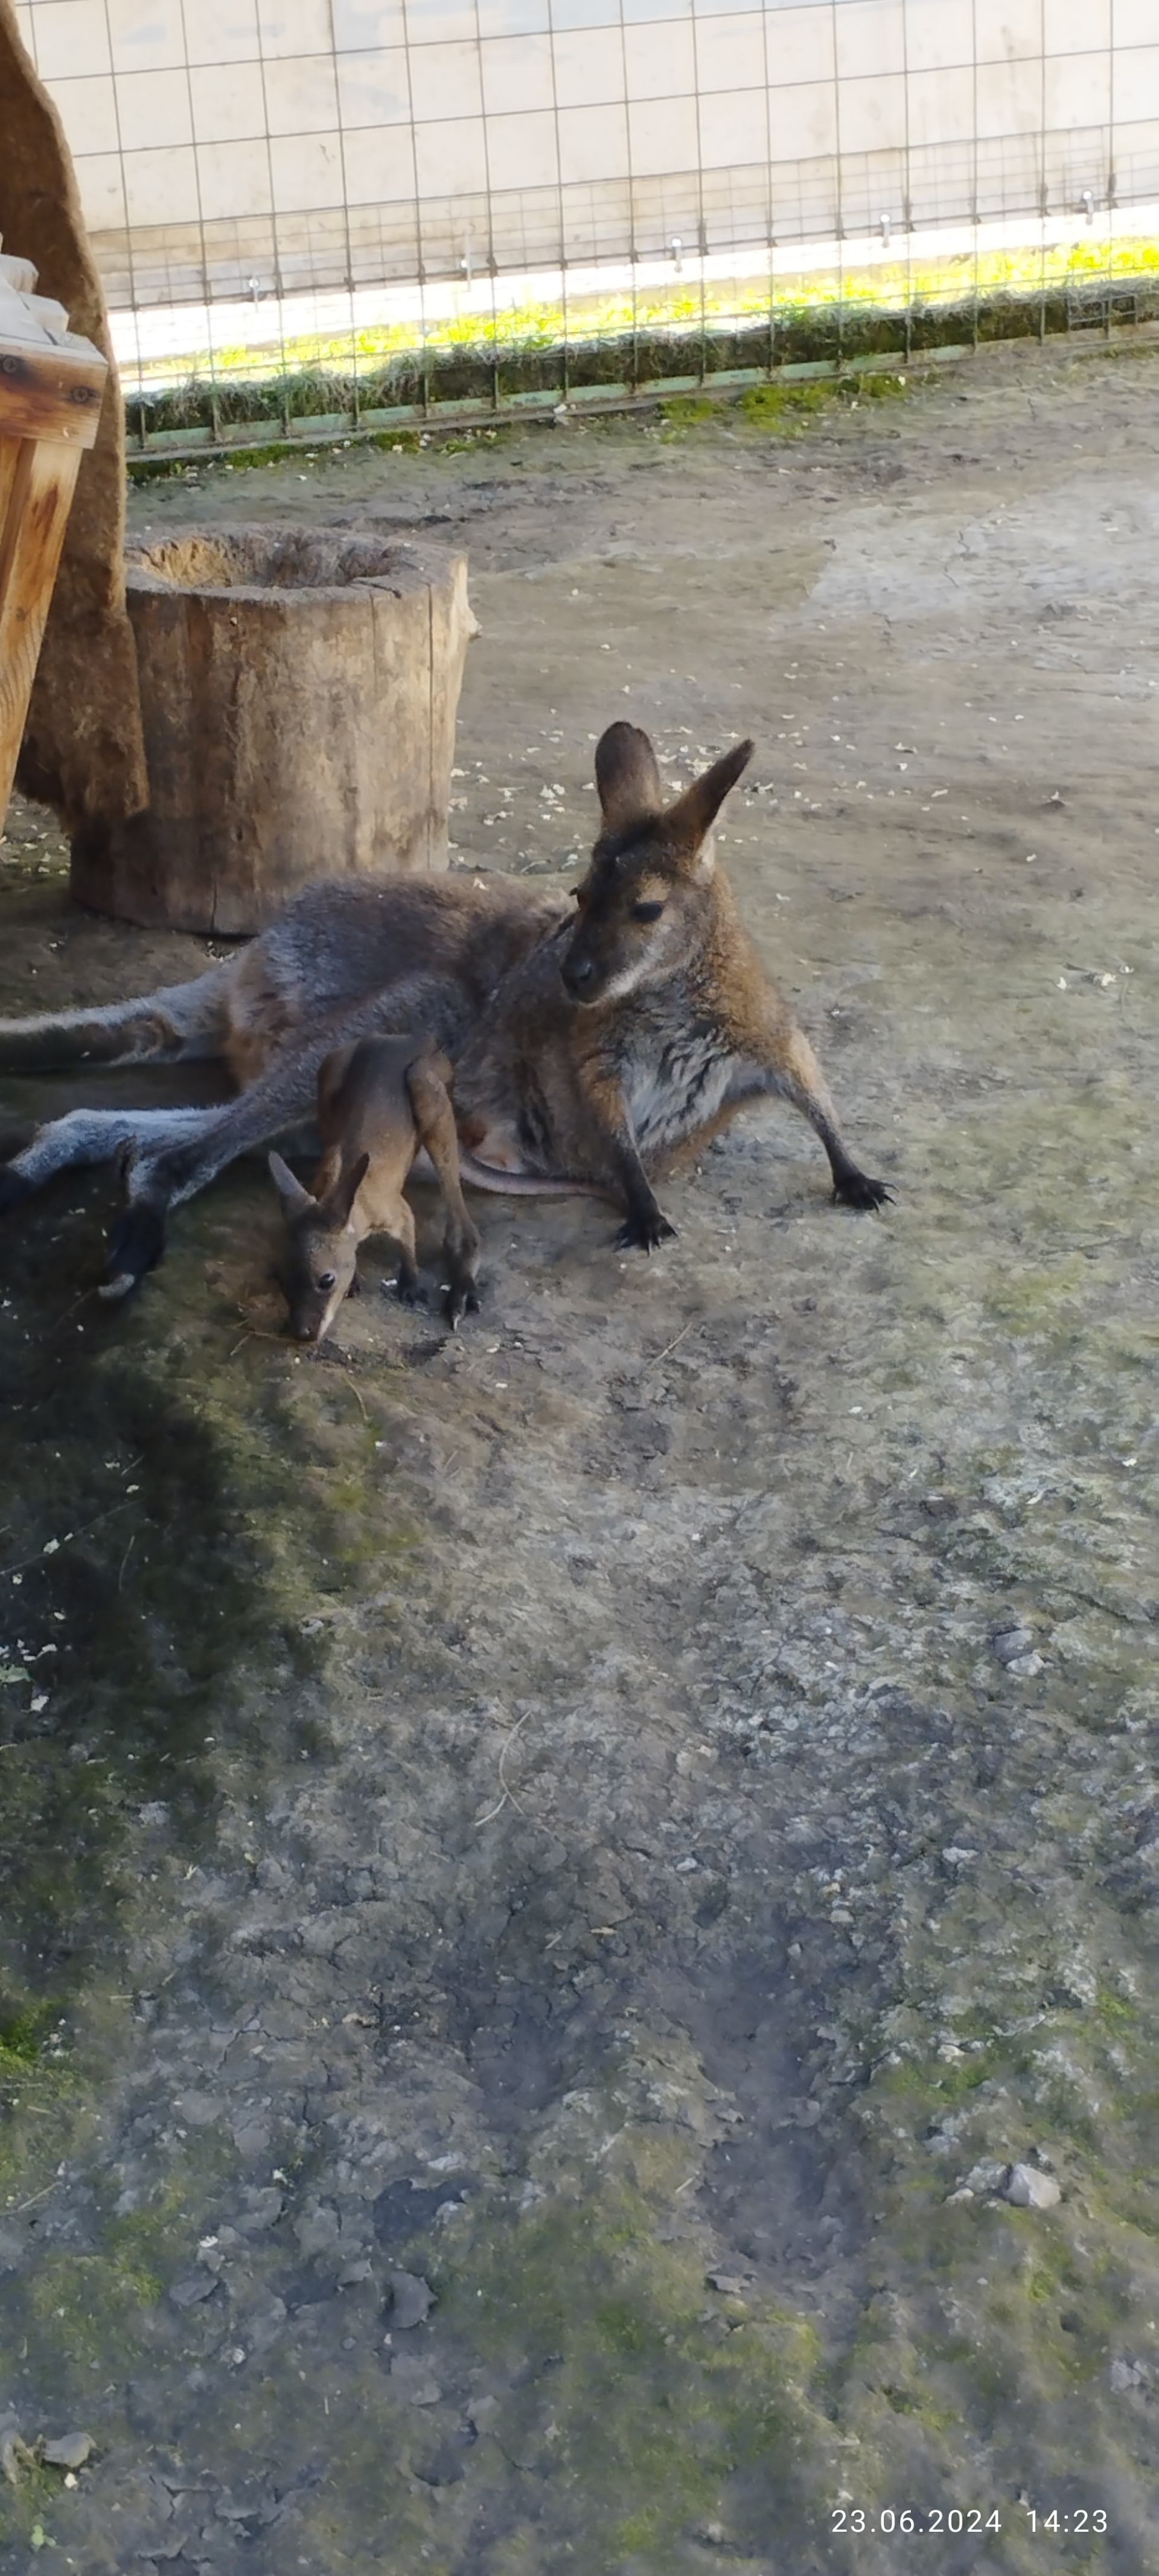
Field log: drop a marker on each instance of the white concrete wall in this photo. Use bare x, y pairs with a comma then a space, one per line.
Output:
314, 143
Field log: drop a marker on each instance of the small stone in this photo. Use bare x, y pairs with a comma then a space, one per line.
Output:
1010, 1643
481, 2412
14, 2453
987, 2177
964, 2193
69, 2451
1024, 1667
410, 2299
263, 2209
188, 2294
1128, 2374
729, 2284
352, 2273
1027, 2188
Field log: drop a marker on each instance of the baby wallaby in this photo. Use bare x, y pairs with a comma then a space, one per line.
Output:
380, 1102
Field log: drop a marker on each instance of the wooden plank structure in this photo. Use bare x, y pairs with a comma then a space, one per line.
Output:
51, 385
299, 688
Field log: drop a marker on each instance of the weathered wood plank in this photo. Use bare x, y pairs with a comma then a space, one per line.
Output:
39, 495
19, 273
50, 393
32, 317
9, 459
298, 690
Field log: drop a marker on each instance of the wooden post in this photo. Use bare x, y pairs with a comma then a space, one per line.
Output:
298, 697
51, 383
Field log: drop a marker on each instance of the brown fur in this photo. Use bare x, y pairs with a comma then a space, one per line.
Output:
380, 1102
624, 1040
589, 1052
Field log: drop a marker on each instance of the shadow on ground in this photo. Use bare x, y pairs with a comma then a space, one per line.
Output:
578, 1965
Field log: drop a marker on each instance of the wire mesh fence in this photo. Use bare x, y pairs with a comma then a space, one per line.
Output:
336, 217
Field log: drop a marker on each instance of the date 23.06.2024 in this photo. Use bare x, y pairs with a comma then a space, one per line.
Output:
884, 2522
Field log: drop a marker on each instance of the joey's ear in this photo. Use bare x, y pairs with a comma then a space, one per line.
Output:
694, 813
295, 1200
627, 777
337, 1204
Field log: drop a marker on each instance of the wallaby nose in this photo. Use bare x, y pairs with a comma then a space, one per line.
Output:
578, 975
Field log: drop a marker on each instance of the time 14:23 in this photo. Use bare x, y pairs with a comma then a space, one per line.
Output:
1069, 2523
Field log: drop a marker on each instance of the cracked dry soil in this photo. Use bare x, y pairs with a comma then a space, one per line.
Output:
639, 1817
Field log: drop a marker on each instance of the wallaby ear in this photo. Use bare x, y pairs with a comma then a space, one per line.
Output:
337, 1204
694, 813
295, 1200
627, 778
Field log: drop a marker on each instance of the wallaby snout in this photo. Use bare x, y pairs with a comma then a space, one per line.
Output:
320, 1258
579, 975
632, 929
642, 903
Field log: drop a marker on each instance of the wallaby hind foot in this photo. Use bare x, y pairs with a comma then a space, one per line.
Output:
136, 1246
428, 1082
854, 1189
645, 1233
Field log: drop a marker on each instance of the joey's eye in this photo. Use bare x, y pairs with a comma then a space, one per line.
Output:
327, 1280
647, 911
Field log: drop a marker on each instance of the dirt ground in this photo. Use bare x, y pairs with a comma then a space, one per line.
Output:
641, 1819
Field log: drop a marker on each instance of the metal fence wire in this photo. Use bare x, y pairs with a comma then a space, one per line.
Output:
324, 217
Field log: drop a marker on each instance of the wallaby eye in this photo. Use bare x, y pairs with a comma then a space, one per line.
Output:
647, 911
328, 1279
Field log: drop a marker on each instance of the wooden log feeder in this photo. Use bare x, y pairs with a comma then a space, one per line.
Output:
298, 691
51, 384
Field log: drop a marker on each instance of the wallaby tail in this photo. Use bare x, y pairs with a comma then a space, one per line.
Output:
528, 1185
181, 1022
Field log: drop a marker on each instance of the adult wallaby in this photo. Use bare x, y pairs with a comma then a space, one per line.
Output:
587, 1051
380, 1102
645, 1025
342, 961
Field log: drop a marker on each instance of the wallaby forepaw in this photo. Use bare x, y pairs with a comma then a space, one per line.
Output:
644, 1234
460, 1300
136, 1245
410, 1292
13, 1188
856, 1190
